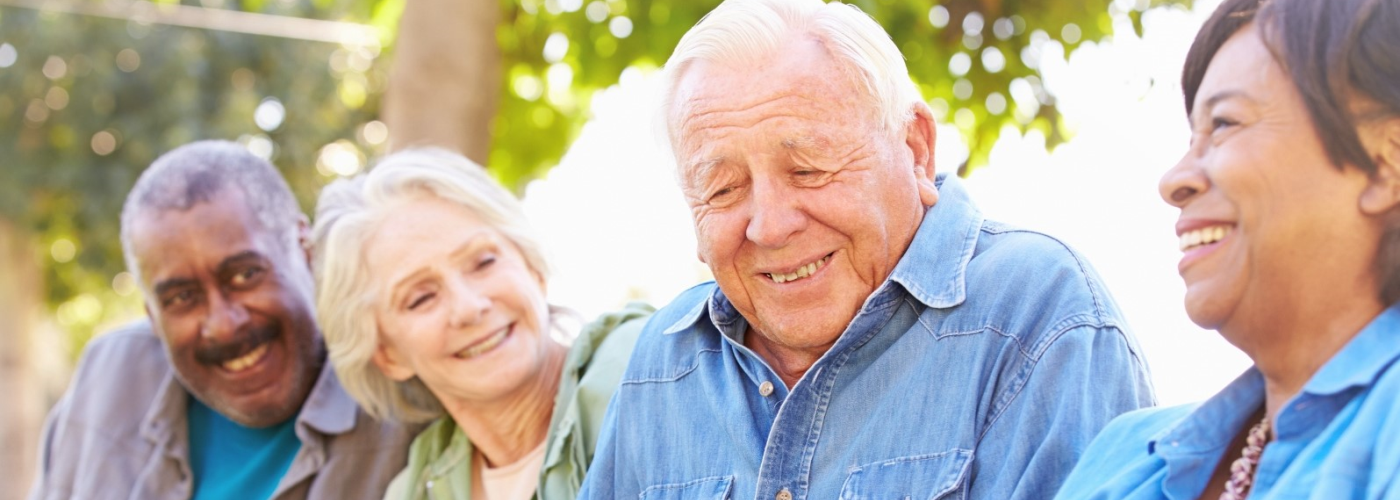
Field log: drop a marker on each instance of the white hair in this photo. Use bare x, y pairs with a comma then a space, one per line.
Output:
348, 215
746, 31
197, 172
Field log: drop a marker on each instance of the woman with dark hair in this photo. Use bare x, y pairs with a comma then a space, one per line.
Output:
1291, 242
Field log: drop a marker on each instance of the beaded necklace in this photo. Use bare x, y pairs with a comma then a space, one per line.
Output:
1242, 470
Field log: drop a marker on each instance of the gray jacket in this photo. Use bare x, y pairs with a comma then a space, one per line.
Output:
120, 433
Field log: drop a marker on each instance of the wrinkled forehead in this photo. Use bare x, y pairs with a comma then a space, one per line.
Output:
805, 83
207, 232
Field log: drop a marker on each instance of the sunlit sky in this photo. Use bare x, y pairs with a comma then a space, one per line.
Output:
617, 229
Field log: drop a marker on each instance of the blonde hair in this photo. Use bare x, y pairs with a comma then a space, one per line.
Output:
743, 31
348, 214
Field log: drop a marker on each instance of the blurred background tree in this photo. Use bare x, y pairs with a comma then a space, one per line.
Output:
91, 91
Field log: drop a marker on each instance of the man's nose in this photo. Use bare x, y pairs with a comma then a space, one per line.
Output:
225, 317
776, 216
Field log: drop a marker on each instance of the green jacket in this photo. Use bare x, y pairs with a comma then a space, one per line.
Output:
439, 462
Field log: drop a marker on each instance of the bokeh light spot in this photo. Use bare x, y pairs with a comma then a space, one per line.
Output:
260, 145
103, 143
340, 158
962, 89
55, 68
128, 60
8, 55
965, 119
528, 87
996, 103
269, 114
973, 23
959, 64
375, 133
37, 112
63, 250
597, 11
992, 60
1004, 28
56, 98
620, 26
124, 284
555, 48
1070, 34
938, 16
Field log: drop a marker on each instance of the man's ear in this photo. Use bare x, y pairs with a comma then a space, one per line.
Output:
389, 361
1382, 194
920, 137
304, 237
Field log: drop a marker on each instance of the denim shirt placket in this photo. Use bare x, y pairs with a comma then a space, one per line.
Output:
801, 411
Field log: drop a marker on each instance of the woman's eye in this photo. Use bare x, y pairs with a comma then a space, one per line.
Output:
417, 301
1219, 123
485, 262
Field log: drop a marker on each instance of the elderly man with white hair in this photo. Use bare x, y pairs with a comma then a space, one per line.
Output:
869, 334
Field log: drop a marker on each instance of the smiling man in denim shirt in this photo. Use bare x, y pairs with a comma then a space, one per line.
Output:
870, 335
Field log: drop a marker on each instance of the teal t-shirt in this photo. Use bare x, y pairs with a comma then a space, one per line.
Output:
230, 461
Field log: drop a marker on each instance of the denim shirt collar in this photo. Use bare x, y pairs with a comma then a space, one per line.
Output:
928, 269
934, 267
1194, 446
1363, 359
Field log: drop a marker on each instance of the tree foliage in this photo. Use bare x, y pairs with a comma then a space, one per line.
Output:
88, 102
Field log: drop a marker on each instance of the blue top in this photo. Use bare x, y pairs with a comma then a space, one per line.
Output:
982, 366
230, 461
1338, 439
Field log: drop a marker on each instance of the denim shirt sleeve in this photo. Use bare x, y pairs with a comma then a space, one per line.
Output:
1031, 446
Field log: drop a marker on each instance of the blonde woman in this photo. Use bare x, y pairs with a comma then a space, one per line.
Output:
431, 294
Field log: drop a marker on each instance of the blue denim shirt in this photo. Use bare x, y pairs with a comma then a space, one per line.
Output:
1338, 439
980, 368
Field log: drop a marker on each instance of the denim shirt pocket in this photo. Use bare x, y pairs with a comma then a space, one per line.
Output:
918, 477
710, 488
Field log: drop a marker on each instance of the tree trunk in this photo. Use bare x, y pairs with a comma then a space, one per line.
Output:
446, 77
27, 361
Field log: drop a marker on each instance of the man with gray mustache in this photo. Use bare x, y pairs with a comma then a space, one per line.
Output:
225, 393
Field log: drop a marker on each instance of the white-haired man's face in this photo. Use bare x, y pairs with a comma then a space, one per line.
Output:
802, 203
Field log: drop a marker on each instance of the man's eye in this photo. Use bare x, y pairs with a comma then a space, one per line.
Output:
722, 192
178, 299
246, 276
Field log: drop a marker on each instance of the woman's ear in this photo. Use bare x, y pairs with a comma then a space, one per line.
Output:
1382, 142
388, 360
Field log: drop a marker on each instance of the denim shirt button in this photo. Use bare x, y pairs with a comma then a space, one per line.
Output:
766, 388
783, 494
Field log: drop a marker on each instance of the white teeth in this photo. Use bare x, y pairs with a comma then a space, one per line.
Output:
801, 272
486, 345
1203, 236
243, 362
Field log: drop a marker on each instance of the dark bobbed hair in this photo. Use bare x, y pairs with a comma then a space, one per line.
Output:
1333, 51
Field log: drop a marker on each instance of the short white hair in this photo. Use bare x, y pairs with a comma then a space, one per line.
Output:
348, 215
745, 31
197, 172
